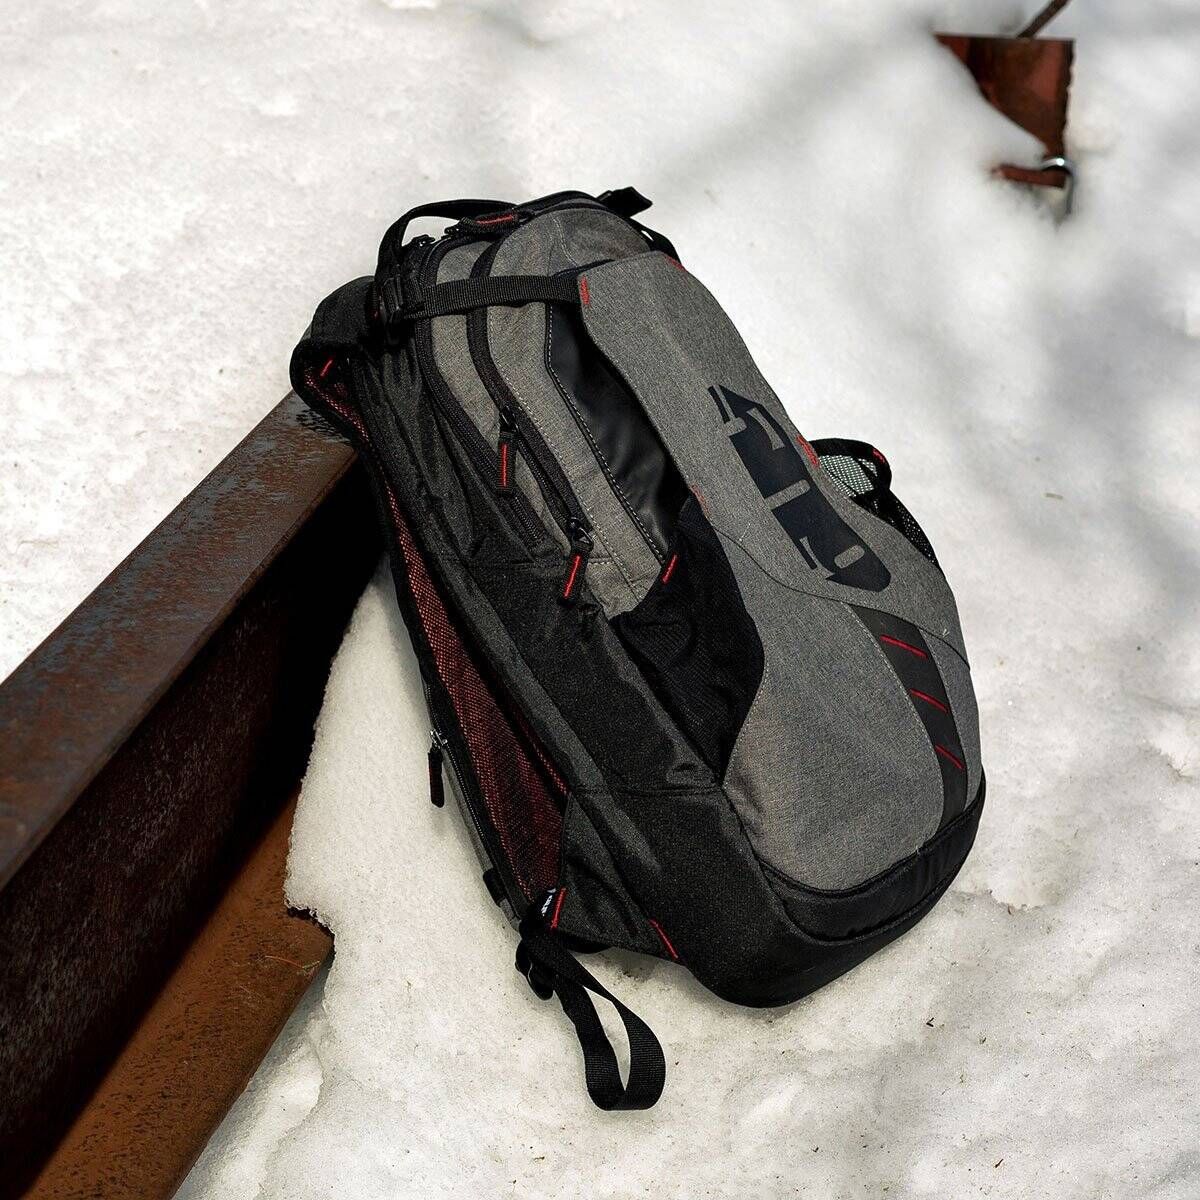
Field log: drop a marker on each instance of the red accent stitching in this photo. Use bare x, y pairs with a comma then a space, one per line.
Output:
676, 262
879, 455
571, 576
504, 464
953, 758
325, 369
891, 641
500, 220
812, 454
662, 937
928, 699
666, 575
562, 895
584, 294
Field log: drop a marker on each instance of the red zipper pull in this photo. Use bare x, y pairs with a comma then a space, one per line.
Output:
581, 549
507, 450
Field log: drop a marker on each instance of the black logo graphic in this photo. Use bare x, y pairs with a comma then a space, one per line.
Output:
781, 470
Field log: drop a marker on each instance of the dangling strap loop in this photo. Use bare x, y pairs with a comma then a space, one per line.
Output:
550, 968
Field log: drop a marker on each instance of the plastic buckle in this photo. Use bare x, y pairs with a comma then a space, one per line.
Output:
539, 979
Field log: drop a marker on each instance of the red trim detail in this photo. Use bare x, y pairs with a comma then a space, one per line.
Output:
891, 641
879, 455
504, 464
500, 220
812, 454
952, 757
325, 369
662, 937
570, 584
928, 699
666, 575
562, 895
584, 295
676, 262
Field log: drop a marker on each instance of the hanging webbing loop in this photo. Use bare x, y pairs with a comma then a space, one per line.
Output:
551, 969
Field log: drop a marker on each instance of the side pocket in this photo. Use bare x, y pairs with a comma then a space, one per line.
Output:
694, 641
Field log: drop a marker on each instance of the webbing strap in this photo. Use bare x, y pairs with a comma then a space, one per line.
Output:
461, 295
551, 968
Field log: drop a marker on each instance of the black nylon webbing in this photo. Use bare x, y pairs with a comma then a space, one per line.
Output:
549, 965
461, 295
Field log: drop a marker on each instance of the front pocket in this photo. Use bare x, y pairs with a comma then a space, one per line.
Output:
695, 643
759, 481
625, 445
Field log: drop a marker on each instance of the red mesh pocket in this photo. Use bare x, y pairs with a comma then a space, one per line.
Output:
521, 789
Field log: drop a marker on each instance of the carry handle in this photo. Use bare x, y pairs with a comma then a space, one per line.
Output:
551, 969
393, 240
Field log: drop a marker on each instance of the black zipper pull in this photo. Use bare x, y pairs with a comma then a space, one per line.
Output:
507, 450
437, 790
581, 549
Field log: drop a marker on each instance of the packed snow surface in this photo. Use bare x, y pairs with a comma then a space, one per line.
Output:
179, 186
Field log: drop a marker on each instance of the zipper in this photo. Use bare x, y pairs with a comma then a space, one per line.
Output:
581, 549
442, 753
603, 466
437, 752
480, 454
515, 424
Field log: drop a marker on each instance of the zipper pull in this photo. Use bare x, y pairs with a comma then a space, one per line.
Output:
581, 549
507, 449
437, 790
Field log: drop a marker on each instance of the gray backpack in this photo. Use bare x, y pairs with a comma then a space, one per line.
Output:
699, 682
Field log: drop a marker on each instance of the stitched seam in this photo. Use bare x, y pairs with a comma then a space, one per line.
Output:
590, 437
520, 401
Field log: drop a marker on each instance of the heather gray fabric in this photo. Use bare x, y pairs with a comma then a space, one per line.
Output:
453, 357
607, 580
832, 773
517, 336
672, 341
956, 676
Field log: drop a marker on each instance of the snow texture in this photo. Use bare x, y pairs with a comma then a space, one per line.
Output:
180, 185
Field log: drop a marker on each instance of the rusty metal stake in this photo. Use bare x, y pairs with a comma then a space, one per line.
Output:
1029, 81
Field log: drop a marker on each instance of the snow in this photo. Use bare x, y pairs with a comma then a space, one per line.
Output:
177, 190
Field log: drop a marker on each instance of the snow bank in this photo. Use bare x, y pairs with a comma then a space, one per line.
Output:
824, 171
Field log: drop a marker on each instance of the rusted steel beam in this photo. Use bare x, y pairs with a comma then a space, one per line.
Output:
1028, 80
197, 1045
146, 745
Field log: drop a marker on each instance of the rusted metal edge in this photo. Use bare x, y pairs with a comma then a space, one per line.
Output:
144, 749
198, 1044
1028, 80
82, 692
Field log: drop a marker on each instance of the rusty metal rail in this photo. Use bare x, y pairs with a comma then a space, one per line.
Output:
147, 749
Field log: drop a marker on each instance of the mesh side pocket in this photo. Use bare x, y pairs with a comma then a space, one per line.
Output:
865, 476
521, 791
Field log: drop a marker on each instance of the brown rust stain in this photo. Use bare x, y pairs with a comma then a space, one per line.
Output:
195, 1048
1028, 80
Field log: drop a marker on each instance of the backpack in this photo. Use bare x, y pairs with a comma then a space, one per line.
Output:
699, 682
